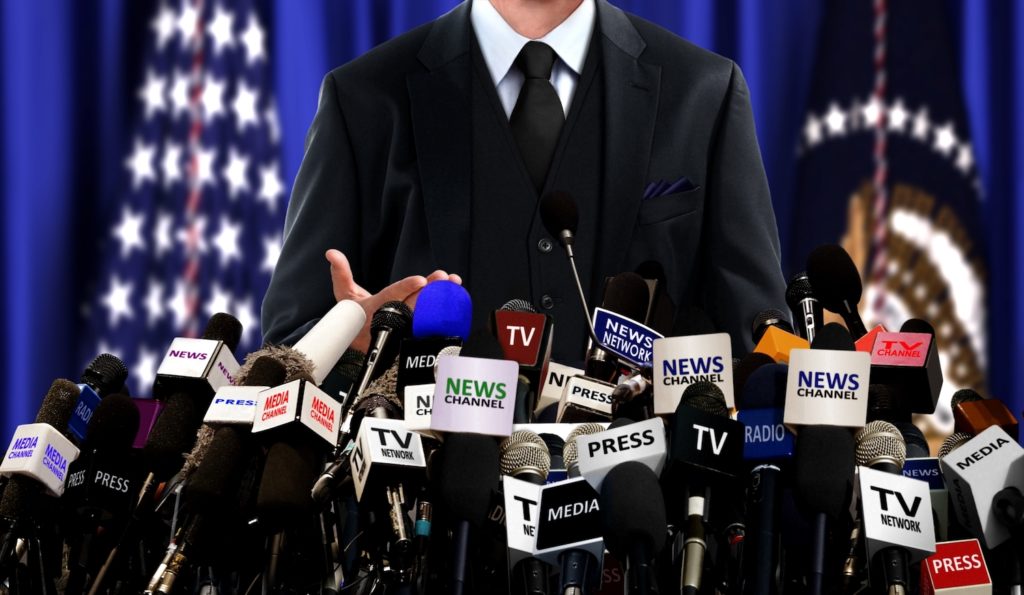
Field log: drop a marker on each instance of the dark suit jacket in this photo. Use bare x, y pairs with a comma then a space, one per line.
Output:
386, 175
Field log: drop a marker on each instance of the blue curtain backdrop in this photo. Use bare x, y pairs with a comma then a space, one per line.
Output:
69, 71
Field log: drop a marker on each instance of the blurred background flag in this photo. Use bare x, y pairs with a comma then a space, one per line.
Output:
886, 168
197, 230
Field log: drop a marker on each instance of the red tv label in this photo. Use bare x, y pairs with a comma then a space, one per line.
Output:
520, 335
901, 349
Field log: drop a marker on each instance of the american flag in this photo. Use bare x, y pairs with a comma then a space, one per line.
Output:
199, 227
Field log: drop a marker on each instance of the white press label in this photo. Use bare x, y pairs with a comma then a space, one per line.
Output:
642, 441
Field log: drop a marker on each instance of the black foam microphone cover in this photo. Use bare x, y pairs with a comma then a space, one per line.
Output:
106, 374
224, 327
627, 294
114, 423
706, 397
766, 388
289, 473
834, 277
917, 325
964, 395
558, 212
214, 484
632, 511
265, 371
58, 404
742, 371
467, 475
835, 337
823, 463
173, 435
619, 422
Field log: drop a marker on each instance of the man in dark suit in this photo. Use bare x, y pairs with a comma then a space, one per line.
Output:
430, 153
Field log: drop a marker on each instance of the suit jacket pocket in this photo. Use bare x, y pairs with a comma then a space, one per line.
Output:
670, 206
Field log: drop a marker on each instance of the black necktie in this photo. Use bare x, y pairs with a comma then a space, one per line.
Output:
537, 118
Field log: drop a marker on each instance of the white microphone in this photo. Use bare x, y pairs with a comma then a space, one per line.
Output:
327, 341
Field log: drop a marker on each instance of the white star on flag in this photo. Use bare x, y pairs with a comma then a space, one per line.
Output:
154, 303
252, 39
226, 241
270, 186
144, 370
164, 26
204, 166
219, 301
152, 94
129, 231
220, 29
178, 305
812, 130
898, 116
171, 163
236, 173
271, 252
244, 314
244, 106
213, 98
921, 125
162, 233
118, 300
945, 139
140, 163
835, 120
187, 22
179, 93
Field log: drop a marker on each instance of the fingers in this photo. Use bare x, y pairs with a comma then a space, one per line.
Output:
401, 290
342, 281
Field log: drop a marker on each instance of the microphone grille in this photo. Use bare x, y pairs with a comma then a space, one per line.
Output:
106, 373
767, 318
706, 397
526, 457
953, 442
570, 453
392, 316
388, 402
521, 437
518, 305
447, 351
799, 288
880, 441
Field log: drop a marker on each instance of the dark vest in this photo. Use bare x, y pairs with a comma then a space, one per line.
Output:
513, 256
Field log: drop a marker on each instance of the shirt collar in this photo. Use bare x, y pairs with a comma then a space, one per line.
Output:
500, 43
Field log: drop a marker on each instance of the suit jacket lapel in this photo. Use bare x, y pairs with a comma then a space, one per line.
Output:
439, 101
631, 90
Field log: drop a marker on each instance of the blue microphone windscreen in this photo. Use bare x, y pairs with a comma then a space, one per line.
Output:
443, 309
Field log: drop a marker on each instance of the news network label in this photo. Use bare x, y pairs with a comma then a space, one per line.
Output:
626, 338
42, 453
897, 512
827, 387
682, 361
475, 395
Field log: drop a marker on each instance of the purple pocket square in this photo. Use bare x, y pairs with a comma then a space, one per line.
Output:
662, 188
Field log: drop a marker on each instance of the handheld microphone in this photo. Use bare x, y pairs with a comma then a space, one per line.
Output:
828, 384
898, 523
619, 329
198, 367
975, 471
476, 390
624, 440
389, 325
526, 337
524, 459
467, 476
633, 521
836, 281
964, 395
105, 375
804, 305
823, 485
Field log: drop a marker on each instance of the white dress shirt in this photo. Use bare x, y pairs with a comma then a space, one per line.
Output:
500, 44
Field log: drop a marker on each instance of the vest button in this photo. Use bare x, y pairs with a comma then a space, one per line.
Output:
544, 245
547, 302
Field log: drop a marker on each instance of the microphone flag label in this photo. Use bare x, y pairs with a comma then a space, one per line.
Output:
277, 406
901, 349
897, 512
958, 566
201, 364
234, 405
42, 453
475, 395
765, 437
522, 509
570, 518
88, 400
417, 405
320, 413
521, 335
585, 398
975, 472
555, 382
625, 338
643, 442
828, 388
682, 361
707, 445
927, 470
387, 446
